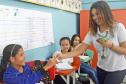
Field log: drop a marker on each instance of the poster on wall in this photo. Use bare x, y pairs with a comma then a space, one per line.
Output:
29, 28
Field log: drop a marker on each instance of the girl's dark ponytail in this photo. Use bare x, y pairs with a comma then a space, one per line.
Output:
9, 50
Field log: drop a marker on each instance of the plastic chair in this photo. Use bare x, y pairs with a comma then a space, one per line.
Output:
90, 54
51, 72
75, 65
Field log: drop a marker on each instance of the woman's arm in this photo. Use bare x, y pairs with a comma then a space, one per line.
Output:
77, 51
121, 35
121, 49
50, 64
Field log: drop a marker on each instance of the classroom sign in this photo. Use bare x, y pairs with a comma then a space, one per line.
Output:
67, 5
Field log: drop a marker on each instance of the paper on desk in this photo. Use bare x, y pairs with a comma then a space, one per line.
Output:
83, 57
63, 66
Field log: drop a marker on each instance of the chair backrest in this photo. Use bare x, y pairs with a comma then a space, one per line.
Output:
52, 72
31, 64
76, 62
89, 53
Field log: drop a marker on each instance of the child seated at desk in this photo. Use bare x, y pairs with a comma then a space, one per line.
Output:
65, 46
13, 69
64, 64
85, 67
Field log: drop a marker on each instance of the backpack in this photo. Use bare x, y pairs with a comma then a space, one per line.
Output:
39, 67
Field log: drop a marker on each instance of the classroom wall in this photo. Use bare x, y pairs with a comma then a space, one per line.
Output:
64, 24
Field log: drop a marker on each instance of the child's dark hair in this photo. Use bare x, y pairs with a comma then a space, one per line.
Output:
73, 38
65, 38
9, 50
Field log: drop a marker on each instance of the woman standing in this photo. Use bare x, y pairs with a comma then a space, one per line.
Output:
109, 38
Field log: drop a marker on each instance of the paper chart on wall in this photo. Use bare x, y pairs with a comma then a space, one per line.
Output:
29, 28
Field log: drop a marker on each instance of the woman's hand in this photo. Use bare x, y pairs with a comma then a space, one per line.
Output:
58, 57
76, 52
105, 43
51, 62
121, 49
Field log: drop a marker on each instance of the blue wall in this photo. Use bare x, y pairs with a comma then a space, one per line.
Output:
64, 24
114, 4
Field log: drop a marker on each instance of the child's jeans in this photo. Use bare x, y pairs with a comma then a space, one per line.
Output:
87, 69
